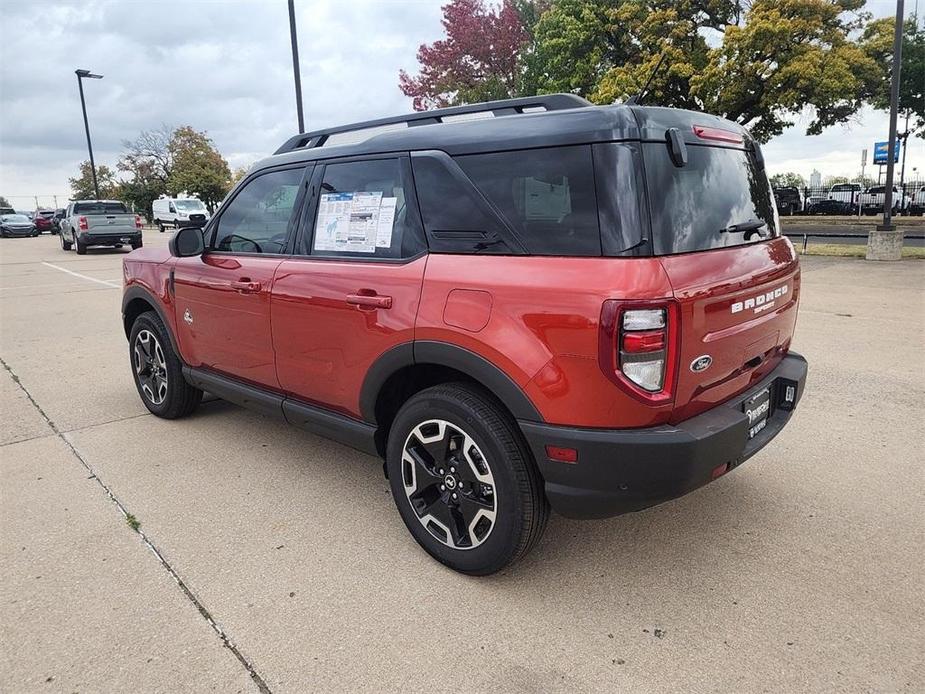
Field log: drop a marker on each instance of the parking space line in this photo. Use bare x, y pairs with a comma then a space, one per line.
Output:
106, 283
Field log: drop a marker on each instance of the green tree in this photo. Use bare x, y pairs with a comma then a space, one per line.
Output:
772, 61
877, 42
789, 179
574, 42
198, 168
148, 162
82, 184
4, 202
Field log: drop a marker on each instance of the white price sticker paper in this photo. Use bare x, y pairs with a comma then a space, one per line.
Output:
356, 222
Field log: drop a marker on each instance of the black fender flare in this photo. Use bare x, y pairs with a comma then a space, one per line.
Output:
139, 292
454, 357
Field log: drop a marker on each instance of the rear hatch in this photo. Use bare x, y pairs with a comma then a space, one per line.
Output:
735, 279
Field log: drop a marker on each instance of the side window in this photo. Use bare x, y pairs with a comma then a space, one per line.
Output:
546, 194
173, 208
257, 220
456, 216
365, 209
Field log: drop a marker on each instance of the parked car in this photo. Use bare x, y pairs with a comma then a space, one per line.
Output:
43, 220
873, 199
56, 220
848, 193
789, 200
917, 203
179, 212
99, 223
7, 210
17, 225
495, 307
830, 207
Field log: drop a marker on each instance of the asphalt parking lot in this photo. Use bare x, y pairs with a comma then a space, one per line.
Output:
269, 559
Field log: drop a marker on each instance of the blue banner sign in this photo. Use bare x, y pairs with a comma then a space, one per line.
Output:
881, 152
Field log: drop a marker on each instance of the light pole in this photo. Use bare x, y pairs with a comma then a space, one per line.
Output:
295, 65
894, 107
90, 76
885, 242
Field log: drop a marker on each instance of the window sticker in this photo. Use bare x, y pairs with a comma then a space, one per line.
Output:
356, 222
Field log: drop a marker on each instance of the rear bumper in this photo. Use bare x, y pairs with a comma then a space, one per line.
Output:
623, 470
108, 239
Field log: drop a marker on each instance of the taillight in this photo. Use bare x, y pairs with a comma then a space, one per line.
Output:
638, 348
138, 221
82, 223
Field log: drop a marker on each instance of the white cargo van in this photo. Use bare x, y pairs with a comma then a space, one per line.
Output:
179, 212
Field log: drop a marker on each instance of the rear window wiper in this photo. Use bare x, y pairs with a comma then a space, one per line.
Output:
751, 225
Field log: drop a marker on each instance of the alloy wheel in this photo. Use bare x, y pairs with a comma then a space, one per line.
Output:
150, 367
449, 484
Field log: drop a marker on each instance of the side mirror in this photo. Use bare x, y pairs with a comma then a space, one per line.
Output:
187, 242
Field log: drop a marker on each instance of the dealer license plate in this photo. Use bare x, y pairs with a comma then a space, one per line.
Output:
757, 408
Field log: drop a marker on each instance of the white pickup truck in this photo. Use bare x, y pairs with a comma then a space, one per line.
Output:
99, 223
873, 198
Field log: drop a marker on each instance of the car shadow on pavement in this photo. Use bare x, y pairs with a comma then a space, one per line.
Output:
686, 536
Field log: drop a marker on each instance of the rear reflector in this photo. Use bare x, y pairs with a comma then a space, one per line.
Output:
707, 133
720, 470
562, 455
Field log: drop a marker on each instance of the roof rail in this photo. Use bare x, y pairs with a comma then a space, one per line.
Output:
504, 107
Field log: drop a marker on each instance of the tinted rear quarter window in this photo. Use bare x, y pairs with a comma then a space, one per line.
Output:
692, 207
547, 196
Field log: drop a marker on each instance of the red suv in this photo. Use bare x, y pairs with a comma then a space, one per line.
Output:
519, 305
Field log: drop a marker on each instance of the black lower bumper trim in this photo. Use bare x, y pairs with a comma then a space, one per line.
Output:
619, 471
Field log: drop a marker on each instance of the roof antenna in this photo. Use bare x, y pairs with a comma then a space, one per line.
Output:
636, 99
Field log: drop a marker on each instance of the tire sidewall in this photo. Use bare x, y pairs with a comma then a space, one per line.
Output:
501, 544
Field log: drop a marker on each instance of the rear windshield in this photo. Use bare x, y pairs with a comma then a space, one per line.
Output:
845, 187
99, 208
719, 199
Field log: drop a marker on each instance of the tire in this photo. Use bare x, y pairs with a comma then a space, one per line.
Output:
137, 244
65, 245
157, 370
160, 225
505, 523
81, 248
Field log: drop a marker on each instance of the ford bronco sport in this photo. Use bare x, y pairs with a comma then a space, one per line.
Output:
520, 305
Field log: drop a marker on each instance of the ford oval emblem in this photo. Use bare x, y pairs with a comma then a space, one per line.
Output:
701, 363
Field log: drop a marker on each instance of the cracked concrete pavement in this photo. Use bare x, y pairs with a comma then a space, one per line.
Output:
800, 571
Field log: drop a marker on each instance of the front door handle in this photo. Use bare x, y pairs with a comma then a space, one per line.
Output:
369, 300
245, 286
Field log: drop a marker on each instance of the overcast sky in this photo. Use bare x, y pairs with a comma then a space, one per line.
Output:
225, 67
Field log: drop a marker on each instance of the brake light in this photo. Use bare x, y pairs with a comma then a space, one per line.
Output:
705, 132
638, 348
82, 223
138, 221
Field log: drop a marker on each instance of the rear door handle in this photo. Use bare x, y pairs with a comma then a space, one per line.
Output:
369, 300
245, 286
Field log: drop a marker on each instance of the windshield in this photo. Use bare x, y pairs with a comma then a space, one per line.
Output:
99, 208
189, 205
719, 199
15, 218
